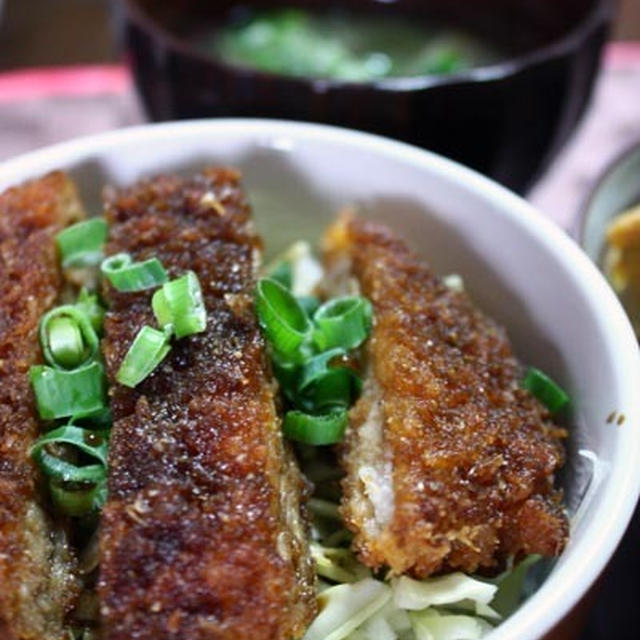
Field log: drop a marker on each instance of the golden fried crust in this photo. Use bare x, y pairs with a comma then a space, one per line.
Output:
470, 454
201, 537
37, 586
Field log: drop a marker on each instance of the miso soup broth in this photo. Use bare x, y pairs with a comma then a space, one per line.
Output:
344, 45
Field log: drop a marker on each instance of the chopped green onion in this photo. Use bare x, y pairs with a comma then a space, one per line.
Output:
546, 390
338, 387
287, 375
322, 387
317, 430
126, 275
180, 304
61, 394
146, 352
101, 419
318, 366
78, 502
67, 337
80, 245
283, 320
93, 443
89, 304
342, 322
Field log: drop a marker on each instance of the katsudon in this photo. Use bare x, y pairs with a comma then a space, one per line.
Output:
196, 447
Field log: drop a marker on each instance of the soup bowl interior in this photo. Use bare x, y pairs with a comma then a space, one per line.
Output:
559, 312
506, 119
516, 28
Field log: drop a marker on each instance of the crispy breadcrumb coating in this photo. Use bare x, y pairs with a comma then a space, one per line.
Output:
202, 535
449, 462
37, 580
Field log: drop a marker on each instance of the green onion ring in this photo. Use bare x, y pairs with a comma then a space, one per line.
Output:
546, 390
62, 394
287, 374
318, 366
126, 275
283, 320
337, 388
81, 244
342, 322
179, 302
78, 502
147, 351
67, 337
316, 430
89, 304
93, 443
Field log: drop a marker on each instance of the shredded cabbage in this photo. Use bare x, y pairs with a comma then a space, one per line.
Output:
415, 595
345, 607
429, 624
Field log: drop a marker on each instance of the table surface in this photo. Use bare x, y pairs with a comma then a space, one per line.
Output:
39, 107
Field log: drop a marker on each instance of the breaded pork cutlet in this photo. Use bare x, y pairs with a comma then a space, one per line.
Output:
202, 536
449, 462
37, 584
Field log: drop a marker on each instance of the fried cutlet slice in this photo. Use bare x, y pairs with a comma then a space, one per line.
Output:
202, 536
37, 583
449, 462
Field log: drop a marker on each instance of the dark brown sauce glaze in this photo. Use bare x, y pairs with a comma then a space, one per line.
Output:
37, 570
202, 535
472, 454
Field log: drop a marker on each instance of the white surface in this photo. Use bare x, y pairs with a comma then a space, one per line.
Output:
518, 266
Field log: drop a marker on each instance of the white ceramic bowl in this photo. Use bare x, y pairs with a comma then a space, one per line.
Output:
560, 313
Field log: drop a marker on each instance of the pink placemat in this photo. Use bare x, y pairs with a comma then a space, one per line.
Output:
42, 106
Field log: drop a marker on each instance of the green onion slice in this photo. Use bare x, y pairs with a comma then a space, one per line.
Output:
316, 430
89, 304
78, 502
127, 275
283, 320
287, 374
81, 244
317, 366
342, 322
92, 443
146, 352
338, 387
180, 304
61, 394
322, 387
67, 337
546, 390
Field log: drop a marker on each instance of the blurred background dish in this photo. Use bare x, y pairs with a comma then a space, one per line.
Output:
609, 228
507, 119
